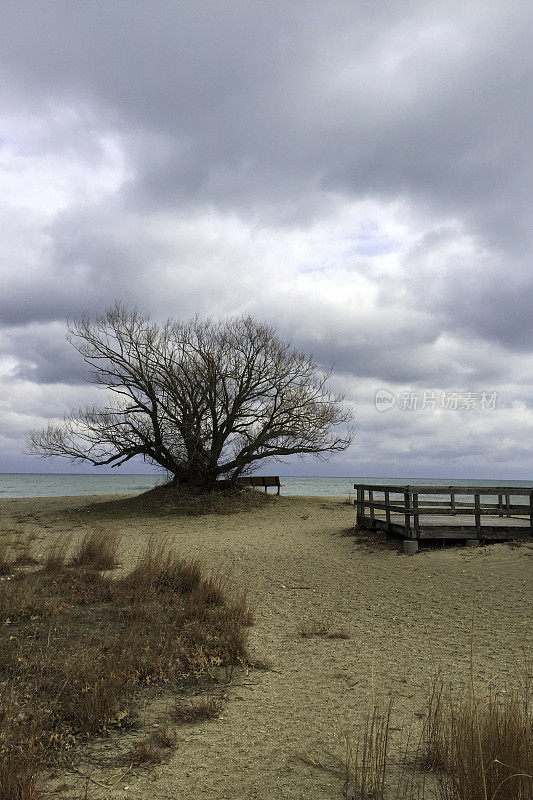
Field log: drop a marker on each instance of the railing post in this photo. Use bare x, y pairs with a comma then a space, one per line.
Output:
477, 512
507, 504
371, 499
387, 509
407, 512
531, 511
359, 504
416, 515
500, 505
452, 501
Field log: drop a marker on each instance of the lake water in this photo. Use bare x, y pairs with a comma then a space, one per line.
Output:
53, 485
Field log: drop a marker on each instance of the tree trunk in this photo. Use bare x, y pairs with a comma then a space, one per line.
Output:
195, 481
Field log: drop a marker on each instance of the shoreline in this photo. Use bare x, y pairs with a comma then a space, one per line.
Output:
25, 485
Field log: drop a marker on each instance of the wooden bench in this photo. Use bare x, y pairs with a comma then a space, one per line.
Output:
253, 481
260, 480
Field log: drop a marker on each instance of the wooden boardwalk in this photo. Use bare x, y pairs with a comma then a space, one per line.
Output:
465, 513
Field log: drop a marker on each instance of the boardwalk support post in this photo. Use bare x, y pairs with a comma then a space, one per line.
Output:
387, 510
477, 514
407, 516
359, 504
416, 515
410, 546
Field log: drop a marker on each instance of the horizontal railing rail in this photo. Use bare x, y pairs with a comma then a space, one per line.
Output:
442, 489
438, 508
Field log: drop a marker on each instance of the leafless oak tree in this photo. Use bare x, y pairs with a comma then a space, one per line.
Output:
201, 399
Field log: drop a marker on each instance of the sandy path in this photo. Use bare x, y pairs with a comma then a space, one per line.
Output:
406, 618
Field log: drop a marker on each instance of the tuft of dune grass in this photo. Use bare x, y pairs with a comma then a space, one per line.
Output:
200, 708
481, 747
98, 550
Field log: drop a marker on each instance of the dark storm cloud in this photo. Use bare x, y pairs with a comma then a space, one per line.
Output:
268, 109
476, 291
240, 102
223, 102
43, 355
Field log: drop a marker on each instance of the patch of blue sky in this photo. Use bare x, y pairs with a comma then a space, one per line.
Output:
369, 246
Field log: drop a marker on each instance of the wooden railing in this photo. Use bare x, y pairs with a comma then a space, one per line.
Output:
411, 504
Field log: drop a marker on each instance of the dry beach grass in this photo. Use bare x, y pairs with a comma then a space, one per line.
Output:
281, 733
79, 650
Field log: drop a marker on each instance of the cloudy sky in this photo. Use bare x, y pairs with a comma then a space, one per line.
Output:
357, 172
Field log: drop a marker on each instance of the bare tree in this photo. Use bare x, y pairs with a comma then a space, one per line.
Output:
201, 399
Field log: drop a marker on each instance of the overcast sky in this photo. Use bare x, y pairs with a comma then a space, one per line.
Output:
357, 173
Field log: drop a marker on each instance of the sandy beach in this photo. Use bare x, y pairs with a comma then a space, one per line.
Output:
406, 618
